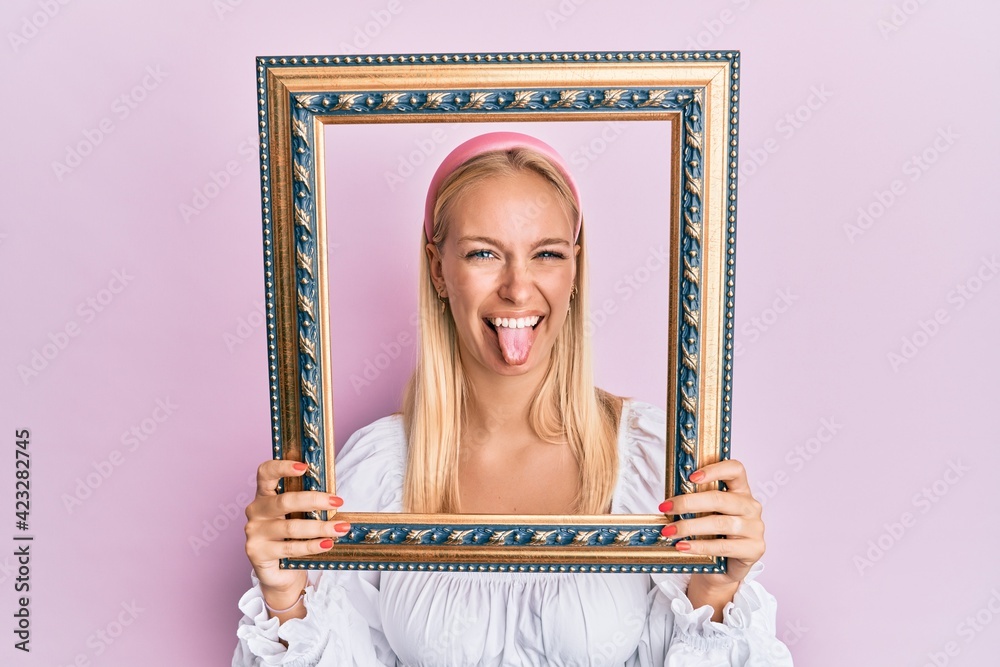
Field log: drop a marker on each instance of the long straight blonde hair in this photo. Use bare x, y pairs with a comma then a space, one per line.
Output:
567, 408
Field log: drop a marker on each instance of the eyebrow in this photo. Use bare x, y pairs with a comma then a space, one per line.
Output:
539, 244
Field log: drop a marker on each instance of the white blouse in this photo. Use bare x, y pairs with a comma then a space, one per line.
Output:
498, 619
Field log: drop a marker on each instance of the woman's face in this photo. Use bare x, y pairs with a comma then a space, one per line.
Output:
507, 267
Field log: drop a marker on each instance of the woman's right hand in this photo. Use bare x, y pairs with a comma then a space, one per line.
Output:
271, 537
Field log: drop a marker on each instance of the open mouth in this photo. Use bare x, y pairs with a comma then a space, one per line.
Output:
513, 322
515, 336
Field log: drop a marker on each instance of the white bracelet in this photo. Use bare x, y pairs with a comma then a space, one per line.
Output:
282, 611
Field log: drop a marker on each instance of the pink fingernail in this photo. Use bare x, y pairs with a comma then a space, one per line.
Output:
342, 527
300, 467
326, 544
669, 530
682, 546
335, 501
666, 506
696, 476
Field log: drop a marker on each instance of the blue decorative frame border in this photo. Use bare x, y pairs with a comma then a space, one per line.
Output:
306, 106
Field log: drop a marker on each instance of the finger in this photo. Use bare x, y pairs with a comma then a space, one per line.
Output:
301, 529
742, 549
261, 549
723, 502
277, 506
731, 472
269, 473
715, 524
292, 549
295, 529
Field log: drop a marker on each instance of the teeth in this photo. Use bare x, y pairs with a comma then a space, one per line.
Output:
515, 323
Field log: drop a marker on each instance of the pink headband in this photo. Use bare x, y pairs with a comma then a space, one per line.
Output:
493, 141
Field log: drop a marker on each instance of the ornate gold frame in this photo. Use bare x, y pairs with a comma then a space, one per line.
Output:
698, 92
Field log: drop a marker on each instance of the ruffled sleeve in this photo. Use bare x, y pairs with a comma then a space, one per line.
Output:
370, 467
342, 625
677, 634
642, 459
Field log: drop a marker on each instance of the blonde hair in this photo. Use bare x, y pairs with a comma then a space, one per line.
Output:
567, 406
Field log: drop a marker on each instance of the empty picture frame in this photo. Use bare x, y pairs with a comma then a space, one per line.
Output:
691, 99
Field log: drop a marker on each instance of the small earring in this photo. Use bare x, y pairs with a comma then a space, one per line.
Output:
443, 300
572, 294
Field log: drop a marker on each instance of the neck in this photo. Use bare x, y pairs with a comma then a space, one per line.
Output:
499, 403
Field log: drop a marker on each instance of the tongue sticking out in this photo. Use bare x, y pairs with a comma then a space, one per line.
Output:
515, 344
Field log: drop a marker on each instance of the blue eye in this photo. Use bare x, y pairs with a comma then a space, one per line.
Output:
480, 254
550, 254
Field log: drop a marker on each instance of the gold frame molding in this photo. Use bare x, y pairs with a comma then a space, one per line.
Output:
698, 92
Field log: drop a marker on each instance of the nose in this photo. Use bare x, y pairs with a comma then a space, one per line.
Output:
515, 283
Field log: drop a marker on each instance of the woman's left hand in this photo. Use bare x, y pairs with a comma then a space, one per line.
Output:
733, 515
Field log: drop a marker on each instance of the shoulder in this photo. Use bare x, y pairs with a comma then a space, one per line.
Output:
644, 419
642, 458
369, 468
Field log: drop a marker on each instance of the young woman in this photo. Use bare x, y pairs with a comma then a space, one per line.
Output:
501, 416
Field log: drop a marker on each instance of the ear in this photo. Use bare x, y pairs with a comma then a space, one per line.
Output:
437, 272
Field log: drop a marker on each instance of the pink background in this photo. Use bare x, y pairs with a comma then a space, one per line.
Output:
841, 437
375, 242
